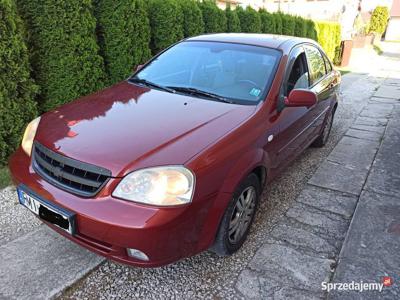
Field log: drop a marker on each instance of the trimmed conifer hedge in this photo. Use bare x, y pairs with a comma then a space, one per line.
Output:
69, 60
214, 18
250, 21
300, 28
166, 20
124, 40
232, 20
193, 23
288, 24
267, 22
278, 23
328, 36
311, 30
17, 89
64, 51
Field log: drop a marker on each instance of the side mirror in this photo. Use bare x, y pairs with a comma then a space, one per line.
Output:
300, 97
138, 68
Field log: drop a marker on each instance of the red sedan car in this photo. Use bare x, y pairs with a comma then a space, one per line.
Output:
172, 161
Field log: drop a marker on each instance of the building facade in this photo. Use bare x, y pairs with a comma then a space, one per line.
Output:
329, 10
342, 11
393, 29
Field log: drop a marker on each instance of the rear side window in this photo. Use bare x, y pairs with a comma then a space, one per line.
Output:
316, 63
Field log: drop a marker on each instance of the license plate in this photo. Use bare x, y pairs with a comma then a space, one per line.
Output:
46, 211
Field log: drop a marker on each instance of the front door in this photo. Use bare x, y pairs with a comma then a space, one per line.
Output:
294, 122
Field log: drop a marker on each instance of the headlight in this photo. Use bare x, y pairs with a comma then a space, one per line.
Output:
169, 185
29, 135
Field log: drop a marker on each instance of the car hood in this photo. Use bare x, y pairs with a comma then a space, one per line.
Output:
127, 127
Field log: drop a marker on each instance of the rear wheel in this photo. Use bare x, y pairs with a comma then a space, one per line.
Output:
323, 138
238, 217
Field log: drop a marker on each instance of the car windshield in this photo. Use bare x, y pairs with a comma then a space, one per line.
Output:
218, 71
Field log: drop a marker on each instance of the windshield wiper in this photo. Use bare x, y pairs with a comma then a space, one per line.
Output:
194, 91
151, 84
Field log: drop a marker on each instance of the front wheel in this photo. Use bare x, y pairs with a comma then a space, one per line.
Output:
322, 139
238, 217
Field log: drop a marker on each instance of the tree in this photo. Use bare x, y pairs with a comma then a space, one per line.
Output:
233, 22
278, 22
267, 22
214, 18
311, 30
379, 19
123, 32
300, 28
250, 20
193, 23
166, 20
17, 89
64, 52
288, 24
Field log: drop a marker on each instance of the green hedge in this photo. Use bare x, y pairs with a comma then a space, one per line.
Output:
300, 28
123, 31
166, 20
75, 48
278, 23
214, 18
250, 20
232, 20
379, 19
17, 89
64, 50
193, 23
311, 30
288, 24
267, 22
328, 36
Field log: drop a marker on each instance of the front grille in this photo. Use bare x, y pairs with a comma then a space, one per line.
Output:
69, 174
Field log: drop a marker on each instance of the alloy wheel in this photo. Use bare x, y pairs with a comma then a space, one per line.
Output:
242, 214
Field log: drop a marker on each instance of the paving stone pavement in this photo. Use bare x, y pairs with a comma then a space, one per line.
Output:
372, 247
38, 277
361, 174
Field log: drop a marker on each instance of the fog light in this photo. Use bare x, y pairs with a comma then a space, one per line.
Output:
137, 254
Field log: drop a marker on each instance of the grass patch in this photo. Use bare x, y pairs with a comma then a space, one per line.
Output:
5, 179
377, 49
344, 72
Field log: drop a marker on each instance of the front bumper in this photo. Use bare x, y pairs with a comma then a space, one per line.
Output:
109, 226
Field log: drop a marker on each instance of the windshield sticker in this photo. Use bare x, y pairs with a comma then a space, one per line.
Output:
255, 92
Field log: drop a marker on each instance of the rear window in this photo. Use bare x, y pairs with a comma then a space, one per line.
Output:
316, 63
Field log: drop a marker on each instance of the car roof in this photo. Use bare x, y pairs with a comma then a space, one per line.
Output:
281, 42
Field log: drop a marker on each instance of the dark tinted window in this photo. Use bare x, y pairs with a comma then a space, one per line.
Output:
298, 76
316, 63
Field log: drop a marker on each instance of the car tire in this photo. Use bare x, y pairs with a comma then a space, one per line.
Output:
238, 217
323, 138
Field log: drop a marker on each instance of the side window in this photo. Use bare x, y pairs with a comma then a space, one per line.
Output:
327, 64
316, 63
298, 76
